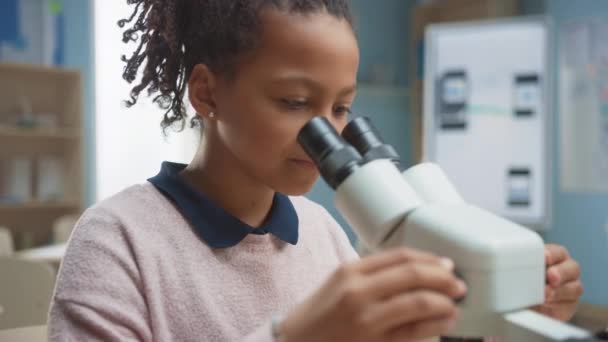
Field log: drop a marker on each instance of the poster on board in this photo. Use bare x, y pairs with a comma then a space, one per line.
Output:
486, 118
583, 105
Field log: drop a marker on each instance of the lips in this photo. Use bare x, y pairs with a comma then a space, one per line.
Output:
305, 163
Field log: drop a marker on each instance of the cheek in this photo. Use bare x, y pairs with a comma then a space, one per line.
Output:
260, 139
269, 143
277, 140
259, 135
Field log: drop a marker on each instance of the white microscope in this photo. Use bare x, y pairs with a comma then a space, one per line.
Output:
502, 263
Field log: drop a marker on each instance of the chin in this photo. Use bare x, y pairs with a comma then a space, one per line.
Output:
297, 187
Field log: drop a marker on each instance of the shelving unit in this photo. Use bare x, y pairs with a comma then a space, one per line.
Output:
50, 92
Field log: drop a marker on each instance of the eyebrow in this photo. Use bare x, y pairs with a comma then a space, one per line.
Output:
307, 81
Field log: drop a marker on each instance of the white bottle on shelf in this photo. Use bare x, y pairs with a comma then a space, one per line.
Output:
49, 187
18, 180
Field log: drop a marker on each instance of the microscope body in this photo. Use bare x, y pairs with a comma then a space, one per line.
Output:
501, 262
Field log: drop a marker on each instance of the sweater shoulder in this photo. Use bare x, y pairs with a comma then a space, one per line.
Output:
317, 222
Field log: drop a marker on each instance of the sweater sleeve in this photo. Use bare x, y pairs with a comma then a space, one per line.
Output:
99, 294
345, 252
262, 334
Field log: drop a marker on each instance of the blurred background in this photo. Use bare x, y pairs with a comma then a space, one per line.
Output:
510, 97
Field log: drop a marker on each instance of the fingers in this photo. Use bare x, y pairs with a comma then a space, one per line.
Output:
562, 273
396, 256
553, 277
554, 254
561, 311
412, 276
409, 309
564, 286
545, 309
569, 292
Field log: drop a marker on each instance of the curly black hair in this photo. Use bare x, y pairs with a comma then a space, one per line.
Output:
173, 36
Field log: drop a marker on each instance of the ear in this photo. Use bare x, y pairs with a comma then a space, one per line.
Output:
201, 90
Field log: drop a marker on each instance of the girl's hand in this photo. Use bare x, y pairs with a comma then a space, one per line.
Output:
395, 295
564, 286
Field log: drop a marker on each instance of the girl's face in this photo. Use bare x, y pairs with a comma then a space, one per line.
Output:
305, 66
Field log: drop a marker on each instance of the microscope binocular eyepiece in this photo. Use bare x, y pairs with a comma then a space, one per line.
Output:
334, 157
364, 137
337, 156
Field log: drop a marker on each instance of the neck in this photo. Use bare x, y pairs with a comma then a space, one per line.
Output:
215, 172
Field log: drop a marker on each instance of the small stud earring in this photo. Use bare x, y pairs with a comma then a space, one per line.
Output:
211, 115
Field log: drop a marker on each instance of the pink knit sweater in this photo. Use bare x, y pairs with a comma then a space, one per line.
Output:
135, 270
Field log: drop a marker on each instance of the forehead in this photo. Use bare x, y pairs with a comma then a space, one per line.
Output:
316, 43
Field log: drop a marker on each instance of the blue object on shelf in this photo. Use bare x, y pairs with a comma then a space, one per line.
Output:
9, 21
32, 31
58, 52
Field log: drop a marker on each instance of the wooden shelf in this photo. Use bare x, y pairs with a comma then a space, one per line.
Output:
33, 221
40, 70
37, 142
35, 205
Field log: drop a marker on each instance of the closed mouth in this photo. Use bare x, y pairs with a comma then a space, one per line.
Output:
305, 162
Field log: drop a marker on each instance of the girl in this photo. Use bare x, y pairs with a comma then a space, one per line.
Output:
225, 248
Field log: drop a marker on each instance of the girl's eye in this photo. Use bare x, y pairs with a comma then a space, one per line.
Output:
342, 110
294, 104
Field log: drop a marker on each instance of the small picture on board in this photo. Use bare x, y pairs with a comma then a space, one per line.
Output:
527, 95
452, 98
519, 187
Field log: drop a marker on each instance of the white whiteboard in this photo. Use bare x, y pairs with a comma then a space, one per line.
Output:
486, 114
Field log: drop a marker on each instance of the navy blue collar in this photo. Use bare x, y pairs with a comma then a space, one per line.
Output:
213, 224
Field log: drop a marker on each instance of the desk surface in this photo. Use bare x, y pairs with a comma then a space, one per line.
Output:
52, 254
33, 334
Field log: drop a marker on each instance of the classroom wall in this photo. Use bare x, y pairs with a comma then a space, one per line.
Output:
532, 7
383, 31
79, 54
131, 145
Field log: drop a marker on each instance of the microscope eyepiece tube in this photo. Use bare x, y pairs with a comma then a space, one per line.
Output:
364, 136
360, 133
335, 158
372, 196
432, 184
